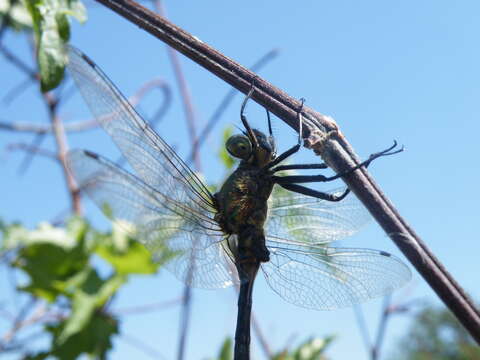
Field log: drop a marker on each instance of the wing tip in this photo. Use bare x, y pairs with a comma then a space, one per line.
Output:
73, 50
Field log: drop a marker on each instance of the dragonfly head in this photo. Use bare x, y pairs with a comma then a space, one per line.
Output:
241, 147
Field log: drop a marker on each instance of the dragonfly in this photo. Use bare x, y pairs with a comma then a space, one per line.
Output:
224, 238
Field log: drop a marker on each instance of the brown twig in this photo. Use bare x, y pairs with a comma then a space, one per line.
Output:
34, 128
324, 137
185, 94
39, 314
62, 149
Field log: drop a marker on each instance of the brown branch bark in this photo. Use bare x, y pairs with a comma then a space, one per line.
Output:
324, 137
185, 94
62, 149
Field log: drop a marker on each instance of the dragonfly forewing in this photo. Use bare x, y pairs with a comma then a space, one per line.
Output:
153, 160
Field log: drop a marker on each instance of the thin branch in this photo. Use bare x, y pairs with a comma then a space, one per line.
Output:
62, 149
324, 137
32, 149
39, 314
17, 62
147, 308
17, 90
261, 337
363, 328
184, 321
28, 127
142, 346
28, 159
382, 327
185, 93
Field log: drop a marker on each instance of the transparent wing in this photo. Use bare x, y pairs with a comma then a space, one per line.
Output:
161, 222
150, 156
326, 278
314, 221
203, 267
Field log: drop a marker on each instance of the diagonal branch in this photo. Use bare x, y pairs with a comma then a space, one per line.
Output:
324, 137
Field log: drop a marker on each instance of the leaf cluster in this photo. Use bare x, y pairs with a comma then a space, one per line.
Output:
61, 270
48, 19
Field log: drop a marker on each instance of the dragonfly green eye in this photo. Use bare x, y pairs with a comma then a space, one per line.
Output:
239, 146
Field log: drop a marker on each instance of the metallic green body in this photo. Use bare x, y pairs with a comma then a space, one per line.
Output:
242, 202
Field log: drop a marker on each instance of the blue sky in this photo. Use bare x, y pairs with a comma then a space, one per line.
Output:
384, 70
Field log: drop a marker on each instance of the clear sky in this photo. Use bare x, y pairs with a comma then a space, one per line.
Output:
384, 70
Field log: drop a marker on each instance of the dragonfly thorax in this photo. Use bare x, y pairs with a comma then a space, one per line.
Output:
242, 205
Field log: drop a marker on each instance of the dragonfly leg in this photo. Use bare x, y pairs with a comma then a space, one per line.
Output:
294, 148
315, 193
322, 178
250, 133
270, 132
299, 167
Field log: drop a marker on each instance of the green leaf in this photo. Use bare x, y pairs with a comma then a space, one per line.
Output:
52, 31
63, 27
79, 230
89, 297
50, 267
136, 259
13, 236
50, 256
38, 356
95, 339
128, 256
76, 9
226, 352
312, 349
